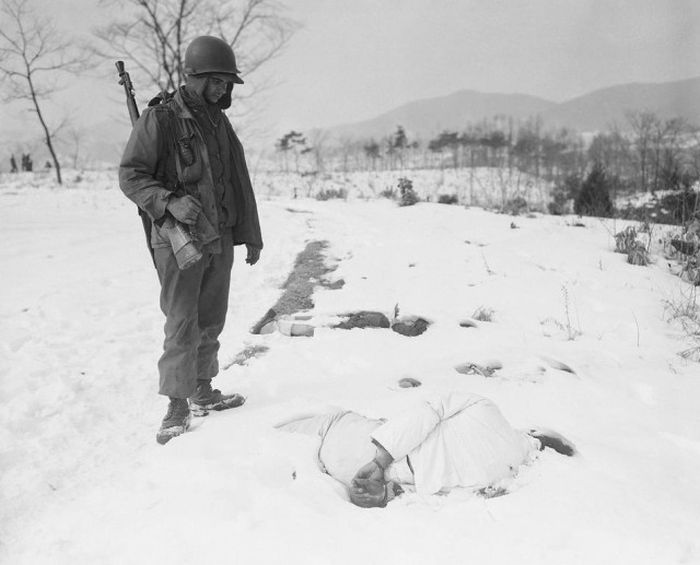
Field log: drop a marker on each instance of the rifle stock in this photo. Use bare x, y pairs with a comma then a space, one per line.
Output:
184, 249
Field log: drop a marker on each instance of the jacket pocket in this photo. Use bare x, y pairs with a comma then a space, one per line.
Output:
190, 161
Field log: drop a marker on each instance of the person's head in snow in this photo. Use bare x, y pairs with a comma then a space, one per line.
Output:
185, 169
455, 440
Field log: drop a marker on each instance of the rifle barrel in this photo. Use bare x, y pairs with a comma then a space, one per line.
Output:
125, 81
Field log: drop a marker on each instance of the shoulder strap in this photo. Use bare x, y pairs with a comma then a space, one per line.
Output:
170, 127
166, 120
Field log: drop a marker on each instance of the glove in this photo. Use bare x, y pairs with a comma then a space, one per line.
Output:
253, 254
185, 209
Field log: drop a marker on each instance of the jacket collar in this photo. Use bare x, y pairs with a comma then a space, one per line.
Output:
192, 106
181, 109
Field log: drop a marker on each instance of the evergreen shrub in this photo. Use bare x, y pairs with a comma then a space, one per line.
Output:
408, 195
594, 197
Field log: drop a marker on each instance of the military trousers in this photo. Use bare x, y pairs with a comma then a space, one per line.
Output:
194, 302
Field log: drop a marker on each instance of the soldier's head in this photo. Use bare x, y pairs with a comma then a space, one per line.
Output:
210, 67
212, 88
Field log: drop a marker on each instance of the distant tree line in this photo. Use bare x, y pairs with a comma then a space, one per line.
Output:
648, 155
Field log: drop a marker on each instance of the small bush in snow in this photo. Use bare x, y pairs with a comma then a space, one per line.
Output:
448, 199
483, 314
631, 241
330, 193
552, 325
408, 195
690, 269
515, 206
572, 333
625, 239
637, 254
389, 193
685, 310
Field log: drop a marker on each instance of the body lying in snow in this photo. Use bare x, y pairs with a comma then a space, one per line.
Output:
455, 440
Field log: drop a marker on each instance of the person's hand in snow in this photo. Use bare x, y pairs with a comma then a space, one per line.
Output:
369, 487
368, 493
372, 471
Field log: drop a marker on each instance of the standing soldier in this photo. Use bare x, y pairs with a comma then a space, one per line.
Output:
184, 161
13, 164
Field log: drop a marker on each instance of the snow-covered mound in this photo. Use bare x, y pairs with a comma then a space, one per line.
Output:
579, 334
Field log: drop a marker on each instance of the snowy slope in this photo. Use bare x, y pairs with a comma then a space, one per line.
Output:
83, 481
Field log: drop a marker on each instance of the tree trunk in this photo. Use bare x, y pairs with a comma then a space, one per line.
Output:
47, 133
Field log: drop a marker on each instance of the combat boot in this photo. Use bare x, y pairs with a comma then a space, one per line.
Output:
205, 398
176, 421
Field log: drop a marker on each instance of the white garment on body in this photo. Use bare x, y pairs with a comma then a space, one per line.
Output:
345, 443
454, 440
457, 440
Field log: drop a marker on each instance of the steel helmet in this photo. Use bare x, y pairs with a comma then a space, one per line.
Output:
207, 54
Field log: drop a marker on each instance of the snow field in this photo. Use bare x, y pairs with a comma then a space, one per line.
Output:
83, 481
481, 186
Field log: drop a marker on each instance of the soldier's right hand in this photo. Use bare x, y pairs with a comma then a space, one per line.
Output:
185, 209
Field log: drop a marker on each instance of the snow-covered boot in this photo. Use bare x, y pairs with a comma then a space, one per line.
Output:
176, 421
205, 398
554, 440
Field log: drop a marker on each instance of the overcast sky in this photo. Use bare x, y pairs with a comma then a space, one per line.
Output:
353, 59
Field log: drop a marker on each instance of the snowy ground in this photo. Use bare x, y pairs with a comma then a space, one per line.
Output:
488, 187
82, 479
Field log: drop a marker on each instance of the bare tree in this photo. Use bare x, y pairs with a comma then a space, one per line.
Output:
643, 125
667, 139
153, 34
33, 55
75, 136
319, 139
295, 142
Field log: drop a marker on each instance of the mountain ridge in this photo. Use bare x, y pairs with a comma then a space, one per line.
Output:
589, 112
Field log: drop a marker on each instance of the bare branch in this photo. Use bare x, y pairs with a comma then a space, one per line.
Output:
30, 48
153, 35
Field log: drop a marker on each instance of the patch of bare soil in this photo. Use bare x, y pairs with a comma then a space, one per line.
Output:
309, 271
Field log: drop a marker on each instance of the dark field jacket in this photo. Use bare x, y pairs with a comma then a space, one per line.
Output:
166, 154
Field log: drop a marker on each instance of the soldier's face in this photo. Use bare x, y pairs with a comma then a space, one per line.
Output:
215, 89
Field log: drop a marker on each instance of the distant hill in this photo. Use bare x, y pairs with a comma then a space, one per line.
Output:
432, 115
597, 110
587, 113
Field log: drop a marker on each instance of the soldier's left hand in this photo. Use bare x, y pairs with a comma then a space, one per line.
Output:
253, 254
